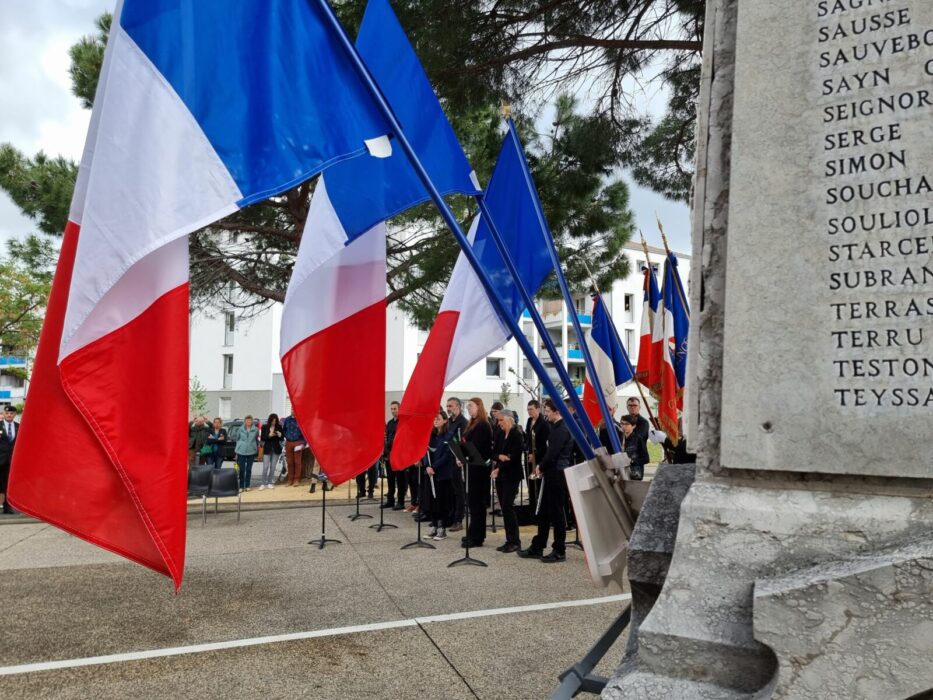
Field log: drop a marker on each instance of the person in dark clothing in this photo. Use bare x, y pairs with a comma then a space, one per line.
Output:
372, 475
271, 437
642, 426
604, 436
577, 450
439, 482
507, 473
553, 493
396, 481
216, 440
536, 434
9, 431
479, 434
456, 426
635, 447
198, 430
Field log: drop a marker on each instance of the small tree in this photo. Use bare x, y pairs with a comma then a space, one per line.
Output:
505, 394
197, 397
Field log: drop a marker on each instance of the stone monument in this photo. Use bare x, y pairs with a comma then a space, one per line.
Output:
803, 563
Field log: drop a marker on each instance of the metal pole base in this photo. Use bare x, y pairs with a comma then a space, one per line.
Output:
357, 515
322, 541
467, 560
579, 677
418, 543
379, 527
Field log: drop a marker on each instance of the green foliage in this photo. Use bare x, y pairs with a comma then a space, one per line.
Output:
87, 57
505, 394
197, 397
535, 53
40, 186
23, 296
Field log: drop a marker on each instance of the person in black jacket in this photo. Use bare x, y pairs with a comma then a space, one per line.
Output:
9, 431
439, 471
635, 446
454, 429
642, 426
553, 493
479, 434
536, 433
507, 473
396, 481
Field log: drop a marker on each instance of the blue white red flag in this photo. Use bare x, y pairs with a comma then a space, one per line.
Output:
679, 310
202, 107
468, 327
613, 368
334, 319
647, 371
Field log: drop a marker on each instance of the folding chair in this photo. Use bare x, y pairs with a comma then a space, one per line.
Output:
199, 483
224, 483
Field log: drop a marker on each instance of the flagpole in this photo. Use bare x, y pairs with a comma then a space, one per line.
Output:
628, 360
565, 290
677, 280
536, 318
451, 221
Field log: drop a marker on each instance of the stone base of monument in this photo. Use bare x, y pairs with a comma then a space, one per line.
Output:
792, 594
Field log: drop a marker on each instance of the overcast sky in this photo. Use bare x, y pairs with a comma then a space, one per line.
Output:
38, 111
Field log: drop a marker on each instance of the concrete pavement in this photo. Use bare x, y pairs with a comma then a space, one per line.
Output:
67, 600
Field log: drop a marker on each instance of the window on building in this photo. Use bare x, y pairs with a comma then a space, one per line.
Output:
493, 367
628, 311
229, 327
228, 372
225, 407
629, 335
527, 374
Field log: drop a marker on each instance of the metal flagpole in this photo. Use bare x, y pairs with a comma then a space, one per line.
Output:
678, 282
451, 221
537, 320
628, 360
568, 299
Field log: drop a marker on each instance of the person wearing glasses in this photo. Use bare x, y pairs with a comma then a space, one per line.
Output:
633, 404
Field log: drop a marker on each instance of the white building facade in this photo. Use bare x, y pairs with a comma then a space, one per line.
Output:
236, 360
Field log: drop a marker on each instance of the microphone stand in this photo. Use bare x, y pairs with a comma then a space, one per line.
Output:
382, 524
357, 515
466, 558
323, 539
420, 542
492, 502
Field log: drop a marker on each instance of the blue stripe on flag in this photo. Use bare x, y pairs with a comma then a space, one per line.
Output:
367, 190
269, 85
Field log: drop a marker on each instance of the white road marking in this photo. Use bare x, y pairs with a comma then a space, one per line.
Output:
297, 636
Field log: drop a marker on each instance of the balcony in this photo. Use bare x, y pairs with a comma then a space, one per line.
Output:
11, 361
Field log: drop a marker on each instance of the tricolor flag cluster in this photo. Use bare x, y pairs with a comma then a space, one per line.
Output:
662, 359
204, 107
613, 367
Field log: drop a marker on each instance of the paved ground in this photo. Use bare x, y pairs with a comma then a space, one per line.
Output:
65, 600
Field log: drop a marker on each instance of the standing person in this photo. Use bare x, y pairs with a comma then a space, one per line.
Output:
395, 480
507, 473
553, 489
536, 433
635, 446
8, 435
217, 442
294, 444
633, 404
479, 434
271, 438
198, 430
440, 469
247, 445
456, 425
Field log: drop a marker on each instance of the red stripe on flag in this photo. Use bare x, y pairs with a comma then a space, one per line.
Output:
84, 461
591, 403
424, 393
336, 380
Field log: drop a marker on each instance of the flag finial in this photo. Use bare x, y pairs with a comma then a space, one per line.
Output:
505, 110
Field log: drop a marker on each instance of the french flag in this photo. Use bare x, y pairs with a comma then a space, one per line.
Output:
202, 107
672, 349
334, 318
467, 327
610, 361
647, 372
